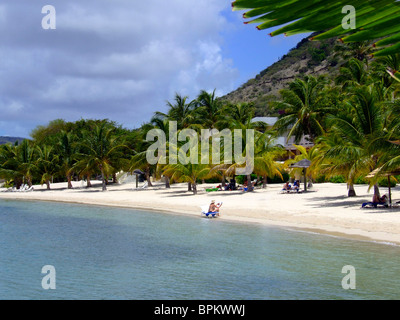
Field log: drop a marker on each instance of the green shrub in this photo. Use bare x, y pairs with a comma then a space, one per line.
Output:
278, 179
337, 179
361, 180
384, 182
242, 179
212, 180
9, 184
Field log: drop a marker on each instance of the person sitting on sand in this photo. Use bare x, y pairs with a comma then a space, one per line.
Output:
286, 186
376, 200
214, 207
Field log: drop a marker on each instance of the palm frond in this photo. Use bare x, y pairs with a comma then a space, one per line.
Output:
374, 19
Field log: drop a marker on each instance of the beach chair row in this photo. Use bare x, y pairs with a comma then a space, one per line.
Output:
23, 188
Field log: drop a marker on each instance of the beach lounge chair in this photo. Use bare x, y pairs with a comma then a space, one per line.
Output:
374, 205
206, 213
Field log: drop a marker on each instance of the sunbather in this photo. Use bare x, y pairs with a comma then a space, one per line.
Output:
214, 207
376, 200
286, 186
231, 185
296, 185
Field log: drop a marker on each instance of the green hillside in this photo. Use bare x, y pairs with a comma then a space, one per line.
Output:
308, 57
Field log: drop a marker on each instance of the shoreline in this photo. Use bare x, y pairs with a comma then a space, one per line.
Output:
324, 210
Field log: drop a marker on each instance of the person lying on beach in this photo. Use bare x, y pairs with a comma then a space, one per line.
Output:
376, 200
214, 207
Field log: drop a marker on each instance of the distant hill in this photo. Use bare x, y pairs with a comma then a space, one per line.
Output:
308, 57
4, 140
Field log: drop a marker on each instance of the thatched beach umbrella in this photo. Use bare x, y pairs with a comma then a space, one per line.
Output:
305, 163
376, 172
137, 172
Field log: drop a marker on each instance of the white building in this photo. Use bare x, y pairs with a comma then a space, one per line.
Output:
282, 140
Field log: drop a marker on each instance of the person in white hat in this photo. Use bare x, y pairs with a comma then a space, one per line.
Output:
214, 207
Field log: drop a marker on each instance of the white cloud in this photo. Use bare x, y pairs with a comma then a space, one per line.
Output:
209, 70
117, 59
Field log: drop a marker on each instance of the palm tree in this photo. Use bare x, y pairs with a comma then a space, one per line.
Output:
239, 112
352, 73
257, 138
384, 69
356, 141
208, 110
25, 159
9, 163
139, 160
338, 157
313, 154
391, 157
99, 147
360, 50
296, 16
304, 109
266, 153
181, 111
162, 125
46, 163
66, 150
190, 172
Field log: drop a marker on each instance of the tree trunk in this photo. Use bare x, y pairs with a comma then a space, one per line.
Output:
249, 184
223, 184
88, 182
352, 192
189, 186
194, 188
376, 191
147, 174
167, 184
103, 179
17, 183
114, 177
264, 182
48, 184
69, 181
310, 182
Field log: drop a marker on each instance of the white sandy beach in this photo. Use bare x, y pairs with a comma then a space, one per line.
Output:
325, 208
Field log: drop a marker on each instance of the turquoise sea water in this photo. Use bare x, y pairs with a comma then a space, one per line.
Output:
108, 253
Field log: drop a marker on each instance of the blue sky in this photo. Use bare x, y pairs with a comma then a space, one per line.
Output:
122, 60
253, 50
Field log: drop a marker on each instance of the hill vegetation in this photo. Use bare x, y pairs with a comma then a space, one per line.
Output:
307, 58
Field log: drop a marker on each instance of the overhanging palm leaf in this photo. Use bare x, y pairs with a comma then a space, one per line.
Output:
374, 19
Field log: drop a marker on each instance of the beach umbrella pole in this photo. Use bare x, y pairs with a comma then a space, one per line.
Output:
390, 192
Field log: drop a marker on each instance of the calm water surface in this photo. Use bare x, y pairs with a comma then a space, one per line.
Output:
108, 253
